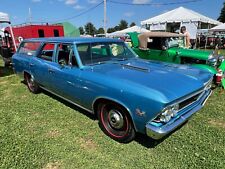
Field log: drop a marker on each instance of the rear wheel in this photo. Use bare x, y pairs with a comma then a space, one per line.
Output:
31, 84
7, 63
115, 122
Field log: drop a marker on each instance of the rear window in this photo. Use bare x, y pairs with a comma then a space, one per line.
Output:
29, 48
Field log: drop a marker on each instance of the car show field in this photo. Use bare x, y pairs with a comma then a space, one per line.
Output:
109, 84
43, 131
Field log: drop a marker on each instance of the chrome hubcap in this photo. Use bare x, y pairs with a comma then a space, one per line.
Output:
116, 119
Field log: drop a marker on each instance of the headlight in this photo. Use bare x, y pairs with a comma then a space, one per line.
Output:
221, 59
212, 61
167, 113
210, 56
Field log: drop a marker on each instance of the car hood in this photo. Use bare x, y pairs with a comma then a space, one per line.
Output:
198, 54
172, 81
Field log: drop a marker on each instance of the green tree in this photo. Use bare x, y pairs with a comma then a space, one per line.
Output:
81, 29
90, 29
100, 31
132, 24
123, 24
222, 14
110, 30
117, 28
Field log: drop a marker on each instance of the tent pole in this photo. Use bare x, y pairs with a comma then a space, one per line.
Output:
13, 38
105, 18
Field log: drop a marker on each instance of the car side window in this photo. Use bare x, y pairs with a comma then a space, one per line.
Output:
47, 51
65, 55
29, 48
155, 43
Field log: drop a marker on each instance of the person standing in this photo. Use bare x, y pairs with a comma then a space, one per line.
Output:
184, 31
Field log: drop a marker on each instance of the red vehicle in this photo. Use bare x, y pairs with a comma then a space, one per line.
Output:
20, 32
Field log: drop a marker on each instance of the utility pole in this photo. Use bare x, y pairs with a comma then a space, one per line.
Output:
105, 18
30, 16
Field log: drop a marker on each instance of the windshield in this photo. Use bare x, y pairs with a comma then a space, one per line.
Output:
96, 53
175, 42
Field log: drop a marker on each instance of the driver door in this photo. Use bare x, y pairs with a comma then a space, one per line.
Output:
65, 73
157, 49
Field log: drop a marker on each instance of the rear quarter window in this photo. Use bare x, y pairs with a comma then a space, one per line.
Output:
29, 48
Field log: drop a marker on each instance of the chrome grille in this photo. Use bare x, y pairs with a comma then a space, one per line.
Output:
188, 101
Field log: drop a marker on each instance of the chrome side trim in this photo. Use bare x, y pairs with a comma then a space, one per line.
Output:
159, 132
90, 111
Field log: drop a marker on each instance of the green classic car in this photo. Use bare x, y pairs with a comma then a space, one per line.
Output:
169, 47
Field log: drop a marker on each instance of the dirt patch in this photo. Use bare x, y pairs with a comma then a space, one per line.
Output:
2, 82
217, 123
53, 134
53, 165
88, 144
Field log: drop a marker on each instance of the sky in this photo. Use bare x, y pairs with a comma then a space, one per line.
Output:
54, 11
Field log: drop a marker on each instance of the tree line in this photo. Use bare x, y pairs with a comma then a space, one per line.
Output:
222, 14
90, 29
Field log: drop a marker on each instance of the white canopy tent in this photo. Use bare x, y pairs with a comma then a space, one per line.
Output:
218, 28
4, 18
127, 30
2, 32
180, 17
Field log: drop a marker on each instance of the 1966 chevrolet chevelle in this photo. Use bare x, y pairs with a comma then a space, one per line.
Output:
105, 77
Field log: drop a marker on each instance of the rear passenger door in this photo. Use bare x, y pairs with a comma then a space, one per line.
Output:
41, 67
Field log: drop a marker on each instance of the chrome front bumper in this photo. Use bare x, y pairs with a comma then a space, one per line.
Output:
159, 132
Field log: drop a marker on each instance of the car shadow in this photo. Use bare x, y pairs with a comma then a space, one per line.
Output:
148, 142
141, 139
6, 71
72, 106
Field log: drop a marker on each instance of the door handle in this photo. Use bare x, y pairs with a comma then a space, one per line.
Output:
31, 64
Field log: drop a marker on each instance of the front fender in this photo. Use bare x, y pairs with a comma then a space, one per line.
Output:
222, 66
205, 67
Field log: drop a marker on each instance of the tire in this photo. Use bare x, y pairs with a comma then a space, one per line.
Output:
7, 63
115, 122
31, 84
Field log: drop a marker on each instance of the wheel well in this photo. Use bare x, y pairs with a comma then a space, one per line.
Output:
103, 100
26, 74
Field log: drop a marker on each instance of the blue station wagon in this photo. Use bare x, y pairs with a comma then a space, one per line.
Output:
105, 77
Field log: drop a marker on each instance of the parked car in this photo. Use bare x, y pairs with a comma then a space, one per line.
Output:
105, 77
169, 47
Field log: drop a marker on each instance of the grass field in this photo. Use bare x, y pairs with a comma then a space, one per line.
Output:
41, 131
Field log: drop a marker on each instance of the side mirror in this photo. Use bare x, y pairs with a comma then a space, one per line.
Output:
62, 62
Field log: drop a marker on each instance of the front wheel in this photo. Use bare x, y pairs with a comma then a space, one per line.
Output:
115, 122
31, 84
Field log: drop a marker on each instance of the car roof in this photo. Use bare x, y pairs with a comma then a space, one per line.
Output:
143, 38
160, 34
72, 40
